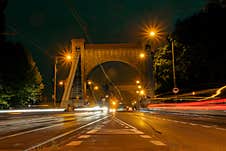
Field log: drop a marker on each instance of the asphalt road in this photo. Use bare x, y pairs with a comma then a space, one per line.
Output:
23, 131
161, 131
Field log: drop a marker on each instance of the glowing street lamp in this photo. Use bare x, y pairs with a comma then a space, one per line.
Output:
68, 57
61, 83
142, 55
89, 82
152, 33
142, 92
137, 82
96, 88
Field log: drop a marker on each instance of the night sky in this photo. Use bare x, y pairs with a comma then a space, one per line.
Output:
46, 27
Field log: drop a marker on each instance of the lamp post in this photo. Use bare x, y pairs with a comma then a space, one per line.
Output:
175, 89
149, 65
66, 57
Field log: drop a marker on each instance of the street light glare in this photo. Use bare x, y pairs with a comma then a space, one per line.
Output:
61, 83
152, 33
142, 92
89, 82
68, 57
142, 55
96, 88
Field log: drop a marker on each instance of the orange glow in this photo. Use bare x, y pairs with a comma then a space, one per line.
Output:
113, 103
68, 57
153, 31
65, 57
142, 55
137, 82
142, 92
96, 88
89, 82
61, 83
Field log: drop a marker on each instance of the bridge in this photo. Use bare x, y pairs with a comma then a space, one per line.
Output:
86, 57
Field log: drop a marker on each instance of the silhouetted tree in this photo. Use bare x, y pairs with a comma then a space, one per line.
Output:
20, 80
200, 50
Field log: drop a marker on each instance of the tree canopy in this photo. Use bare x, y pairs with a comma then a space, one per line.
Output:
200, 52
20, 80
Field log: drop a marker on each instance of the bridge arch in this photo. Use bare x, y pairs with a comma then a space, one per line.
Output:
92, 55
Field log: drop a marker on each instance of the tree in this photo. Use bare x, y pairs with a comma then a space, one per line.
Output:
21, 82
200, 52
163, 65
202, 34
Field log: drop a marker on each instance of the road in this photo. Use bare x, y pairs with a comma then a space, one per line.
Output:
161, 131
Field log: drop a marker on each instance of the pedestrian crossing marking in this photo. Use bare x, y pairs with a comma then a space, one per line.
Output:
74, 143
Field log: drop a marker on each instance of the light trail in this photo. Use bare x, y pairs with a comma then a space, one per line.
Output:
32, 110
218, 104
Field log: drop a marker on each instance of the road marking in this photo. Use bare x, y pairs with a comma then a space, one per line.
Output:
183, 122
117, 132
158, 143
74, 143
219, 128
106, 122
98, 128
63, 135
145, 136
192, 124
83, 136
136, 131
206, 126
92, 131
116, 119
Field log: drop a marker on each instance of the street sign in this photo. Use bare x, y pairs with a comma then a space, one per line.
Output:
176, 90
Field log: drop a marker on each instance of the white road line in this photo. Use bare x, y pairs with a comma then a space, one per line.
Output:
92, 131
206, 126
74, 143
158, 143
125, 123
106, 122
192, 124
83, 136
64, 134
183, 122
136, 131
219, 128
145, 136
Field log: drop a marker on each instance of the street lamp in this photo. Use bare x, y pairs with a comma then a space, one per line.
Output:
66, 57
175, 89
149, 77
142, 55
